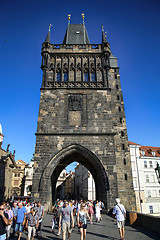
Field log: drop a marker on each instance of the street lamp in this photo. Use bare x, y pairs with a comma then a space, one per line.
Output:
157, 170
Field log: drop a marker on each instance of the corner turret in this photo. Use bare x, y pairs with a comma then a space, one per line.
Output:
48, 35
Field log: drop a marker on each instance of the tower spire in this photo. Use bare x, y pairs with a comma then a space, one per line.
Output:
104, 40
84, 34
69, 18
48, 35
83, 17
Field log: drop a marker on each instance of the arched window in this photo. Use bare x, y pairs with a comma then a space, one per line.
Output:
65, 76
58, 78
93, 77
86, 76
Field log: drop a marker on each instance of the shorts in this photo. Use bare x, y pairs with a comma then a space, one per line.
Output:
31, 231
84, 226
19, 227
120, 224
66, 227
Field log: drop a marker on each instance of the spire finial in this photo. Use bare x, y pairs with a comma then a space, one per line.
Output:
102, 28
50, 25
104, 40
83, 17
69, 18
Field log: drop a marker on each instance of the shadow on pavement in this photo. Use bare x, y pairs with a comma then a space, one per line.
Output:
102, 236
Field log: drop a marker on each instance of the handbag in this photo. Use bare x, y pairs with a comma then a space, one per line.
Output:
80, 224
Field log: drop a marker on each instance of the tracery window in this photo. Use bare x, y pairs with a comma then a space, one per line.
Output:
65, 76
58, 78
86, 77
93, 77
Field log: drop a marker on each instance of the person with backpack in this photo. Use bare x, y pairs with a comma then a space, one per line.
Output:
120, 213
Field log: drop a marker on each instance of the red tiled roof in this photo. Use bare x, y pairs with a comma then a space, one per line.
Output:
132, 143
148, 151
21, 161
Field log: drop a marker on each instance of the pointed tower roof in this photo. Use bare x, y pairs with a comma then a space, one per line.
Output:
104, 40
76, 33
48, 35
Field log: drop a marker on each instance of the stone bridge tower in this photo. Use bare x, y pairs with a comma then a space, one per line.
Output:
81, 118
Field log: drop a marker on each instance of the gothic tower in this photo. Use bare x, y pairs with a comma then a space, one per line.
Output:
81, 118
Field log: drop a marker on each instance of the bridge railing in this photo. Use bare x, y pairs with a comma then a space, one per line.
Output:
149, 222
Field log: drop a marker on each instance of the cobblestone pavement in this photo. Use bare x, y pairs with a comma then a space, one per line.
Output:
106, 229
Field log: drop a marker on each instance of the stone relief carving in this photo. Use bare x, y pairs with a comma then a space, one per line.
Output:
75, 102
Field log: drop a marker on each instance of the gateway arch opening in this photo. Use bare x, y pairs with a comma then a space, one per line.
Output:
75, 182
94, 168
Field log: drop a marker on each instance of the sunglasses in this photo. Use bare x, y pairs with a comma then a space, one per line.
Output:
1, 208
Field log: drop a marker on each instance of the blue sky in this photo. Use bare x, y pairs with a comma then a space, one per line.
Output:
133, 31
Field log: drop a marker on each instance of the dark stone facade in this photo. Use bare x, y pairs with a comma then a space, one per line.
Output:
82, 118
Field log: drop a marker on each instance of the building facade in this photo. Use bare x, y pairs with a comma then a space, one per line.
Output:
18, 178
60, 185
84, 183
7, 166
144, 160
81, 118
70, 185
28, 177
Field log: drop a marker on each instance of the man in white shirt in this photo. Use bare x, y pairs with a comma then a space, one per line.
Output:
120, 213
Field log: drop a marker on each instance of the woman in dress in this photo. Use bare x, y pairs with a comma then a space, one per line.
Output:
97, 208
90, 210
82, 221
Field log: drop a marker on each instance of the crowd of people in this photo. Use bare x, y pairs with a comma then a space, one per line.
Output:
66, 213
27, 217
21, 216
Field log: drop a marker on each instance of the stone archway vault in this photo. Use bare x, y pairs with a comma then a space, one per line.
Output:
64, 157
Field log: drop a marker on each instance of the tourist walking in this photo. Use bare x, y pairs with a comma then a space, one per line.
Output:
82, 221
40, 213
20, 220
10, 217
67, 218
120, 213
90, 210
4, 222
14, 209
97, 209
57, 216
32, 223
101, 204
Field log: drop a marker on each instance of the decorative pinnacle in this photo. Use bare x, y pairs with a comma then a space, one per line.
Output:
69, 18
83, 17
50, 25
103, 35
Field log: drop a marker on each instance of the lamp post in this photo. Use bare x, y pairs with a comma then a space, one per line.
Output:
157, 170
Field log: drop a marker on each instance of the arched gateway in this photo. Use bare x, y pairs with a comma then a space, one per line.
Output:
66, 156
81, 118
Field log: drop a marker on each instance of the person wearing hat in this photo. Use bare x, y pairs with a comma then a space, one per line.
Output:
119, 213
